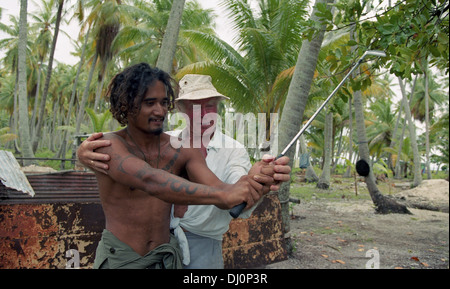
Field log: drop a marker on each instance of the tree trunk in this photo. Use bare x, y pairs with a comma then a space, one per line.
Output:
348, 172
427, 127
398, 167
36, 99
310, 175
339, 151
48, 77
81, 109
393, 142
383, 204
62, 151
412, 135
24, 132
15, 115
169, 43
295, 103
324, 180
100, 83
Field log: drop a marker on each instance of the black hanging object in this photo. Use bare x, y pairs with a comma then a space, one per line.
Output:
362, 168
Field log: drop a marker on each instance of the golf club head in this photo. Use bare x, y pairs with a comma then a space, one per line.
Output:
378, 53
362, 168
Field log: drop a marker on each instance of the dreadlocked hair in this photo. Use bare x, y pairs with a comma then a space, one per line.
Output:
128, 88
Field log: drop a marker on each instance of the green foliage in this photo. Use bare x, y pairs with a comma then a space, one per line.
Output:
6, 137
256, 74
309, 192
99, 120
380, 168
56, 165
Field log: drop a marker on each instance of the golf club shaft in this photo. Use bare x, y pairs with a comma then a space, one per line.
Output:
237, 210
302, 130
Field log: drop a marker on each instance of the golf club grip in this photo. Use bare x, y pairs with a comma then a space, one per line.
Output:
237, 210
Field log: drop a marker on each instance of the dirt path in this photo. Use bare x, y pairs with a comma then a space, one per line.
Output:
338, 234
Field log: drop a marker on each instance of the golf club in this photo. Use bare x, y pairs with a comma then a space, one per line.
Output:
237, 210
362, 168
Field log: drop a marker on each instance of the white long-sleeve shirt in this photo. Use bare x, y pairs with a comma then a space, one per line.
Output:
229, 161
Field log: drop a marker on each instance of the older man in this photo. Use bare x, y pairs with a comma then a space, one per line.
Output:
200, 229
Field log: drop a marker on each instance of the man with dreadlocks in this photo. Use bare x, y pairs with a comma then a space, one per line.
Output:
145, 176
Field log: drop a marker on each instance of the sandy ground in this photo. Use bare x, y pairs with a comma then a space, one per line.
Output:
349, 234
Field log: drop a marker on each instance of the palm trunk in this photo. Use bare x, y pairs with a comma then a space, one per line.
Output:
24, 131
398, 168
295, 103
100, 83
15, 114
63, 148
310, 174
348, 172
339, 151
48, 77
36, 99
412, 135
383, 205
324, 180
393, 142
169, 43
427, 127
81, 109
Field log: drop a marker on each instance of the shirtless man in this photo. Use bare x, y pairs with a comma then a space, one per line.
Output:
144, 176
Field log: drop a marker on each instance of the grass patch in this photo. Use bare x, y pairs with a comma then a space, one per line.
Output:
340, 189
46, 153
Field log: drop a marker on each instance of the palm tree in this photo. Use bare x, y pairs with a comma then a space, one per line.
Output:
296, 99
412, 134
48, 77
440, 130
383, 204
142, 40
427, 97
79, 13
108, 19
24, 132
43, 21
380, 129
10, 46
104, 19
324, 180
256, 76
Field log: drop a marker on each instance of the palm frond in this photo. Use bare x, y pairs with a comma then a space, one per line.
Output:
216, 49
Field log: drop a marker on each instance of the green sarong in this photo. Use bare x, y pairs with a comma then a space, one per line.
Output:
114, 254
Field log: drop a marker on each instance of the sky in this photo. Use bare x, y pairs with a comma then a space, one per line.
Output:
64, 46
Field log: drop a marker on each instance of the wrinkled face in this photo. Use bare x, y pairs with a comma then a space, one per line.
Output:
196, 110
153, 110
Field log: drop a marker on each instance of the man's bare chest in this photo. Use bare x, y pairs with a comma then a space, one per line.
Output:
165, 158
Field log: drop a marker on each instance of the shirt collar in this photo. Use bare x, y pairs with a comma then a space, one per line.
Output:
216, 141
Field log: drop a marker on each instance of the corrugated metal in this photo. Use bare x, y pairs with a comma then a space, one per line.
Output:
61, 187
11, 176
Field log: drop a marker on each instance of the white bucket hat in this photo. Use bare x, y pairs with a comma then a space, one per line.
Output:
196, 87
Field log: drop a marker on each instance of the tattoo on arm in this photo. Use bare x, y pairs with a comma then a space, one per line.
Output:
176, 184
